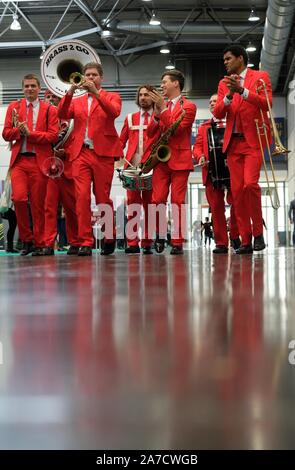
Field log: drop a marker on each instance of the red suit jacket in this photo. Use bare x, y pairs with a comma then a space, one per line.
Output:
248, 109
180, 141
45, 134
101, 127
201, 148
132, 136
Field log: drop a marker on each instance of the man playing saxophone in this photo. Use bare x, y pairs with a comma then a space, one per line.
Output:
178, 115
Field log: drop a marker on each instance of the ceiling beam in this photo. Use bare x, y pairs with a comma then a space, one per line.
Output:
184, 23
216, 18
61, 19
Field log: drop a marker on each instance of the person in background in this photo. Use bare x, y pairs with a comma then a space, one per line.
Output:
291, 215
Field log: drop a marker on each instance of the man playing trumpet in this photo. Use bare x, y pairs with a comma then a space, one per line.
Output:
93, 148
240, 99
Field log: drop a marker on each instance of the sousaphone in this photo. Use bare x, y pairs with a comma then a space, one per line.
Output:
63, 59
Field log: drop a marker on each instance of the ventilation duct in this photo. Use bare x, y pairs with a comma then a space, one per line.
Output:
278, 23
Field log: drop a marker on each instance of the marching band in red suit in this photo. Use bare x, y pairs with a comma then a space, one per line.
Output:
176, 171
134, 131
31, 126
61, 189
93, 148
215, 195
240, 99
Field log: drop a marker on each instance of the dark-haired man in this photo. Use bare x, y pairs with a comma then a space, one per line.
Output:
94, 146
31, 126
173, 174
134, 131
241, 96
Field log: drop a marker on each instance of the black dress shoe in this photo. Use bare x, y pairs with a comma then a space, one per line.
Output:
48, 251
28, 247
132, 250
73, 250
176, 250
219, 249
259, 243
38, 252
147, 250
85, 251
235, 243
245, 250
11, 250
108, 248
159, 245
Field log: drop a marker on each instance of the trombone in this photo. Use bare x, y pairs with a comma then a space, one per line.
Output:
278, 150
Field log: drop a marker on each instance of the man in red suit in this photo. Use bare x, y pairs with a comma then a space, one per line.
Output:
216, 181
62, 190
31, 126
241, 97
173, 174
94, 146
134, 131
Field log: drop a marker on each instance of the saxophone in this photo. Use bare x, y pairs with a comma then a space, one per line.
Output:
160, 150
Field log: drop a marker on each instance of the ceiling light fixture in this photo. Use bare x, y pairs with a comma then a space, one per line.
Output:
164, 50
154, 21
250, 47
106, 33
170, 65
253, 15
250, 65
15, 25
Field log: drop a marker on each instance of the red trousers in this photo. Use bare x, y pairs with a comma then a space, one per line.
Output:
60, 190
29, 184
143, 198
244, 164
215, 198
163, 178
87, 168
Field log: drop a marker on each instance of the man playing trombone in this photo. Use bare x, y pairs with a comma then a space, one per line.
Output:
242, 100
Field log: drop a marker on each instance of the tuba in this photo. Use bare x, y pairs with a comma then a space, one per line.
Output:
160, 150
61, 66
63, 63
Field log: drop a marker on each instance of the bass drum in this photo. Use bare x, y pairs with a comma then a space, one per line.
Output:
61, 60
218, 168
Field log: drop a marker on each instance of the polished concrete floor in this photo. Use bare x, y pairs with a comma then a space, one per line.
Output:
148, 352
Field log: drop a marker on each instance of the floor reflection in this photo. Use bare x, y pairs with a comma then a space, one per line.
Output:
147, 352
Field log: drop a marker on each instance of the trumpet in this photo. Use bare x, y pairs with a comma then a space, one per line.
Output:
76, 78
279, 148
